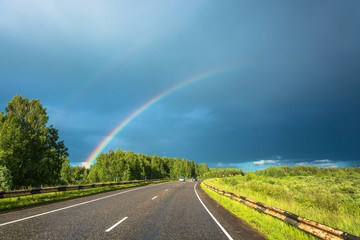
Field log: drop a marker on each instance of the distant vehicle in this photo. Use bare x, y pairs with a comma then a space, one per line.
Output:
182, 179
194, 179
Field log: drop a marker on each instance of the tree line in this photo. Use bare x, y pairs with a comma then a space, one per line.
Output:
31, 155
223, 172
126, 165
283, 171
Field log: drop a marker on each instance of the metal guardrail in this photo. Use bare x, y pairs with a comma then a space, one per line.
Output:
25, 192
318, 229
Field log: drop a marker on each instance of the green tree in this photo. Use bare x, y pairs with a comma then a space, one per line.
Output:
29, 148
71, 175
274, 172
6, 181
65, 172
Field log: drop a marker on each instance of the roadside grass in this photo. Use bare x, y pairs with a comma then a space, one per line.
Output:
43, 198
333, 200
272, 227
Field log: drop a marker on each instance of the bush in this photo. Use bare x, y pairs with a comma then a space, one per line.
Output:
230, 181
250, 176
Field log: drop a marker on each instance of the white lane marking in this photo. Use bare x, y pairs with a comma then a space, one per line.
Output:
166, 190
75, 205
217, 222
108, 230
154, 198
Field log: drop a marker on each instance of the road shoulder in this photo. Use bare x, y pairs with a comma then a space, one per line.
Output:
236, 227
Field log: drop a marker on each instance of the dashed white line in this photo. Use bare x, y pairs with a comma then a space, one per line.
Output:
108, 230
154, 198
217, 222
75, 205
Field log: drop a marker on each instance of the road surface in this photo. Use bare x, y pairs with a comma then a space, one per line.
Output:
172, 210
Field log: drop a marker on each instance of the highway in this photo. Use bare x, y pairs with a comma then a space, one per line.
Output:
171, 210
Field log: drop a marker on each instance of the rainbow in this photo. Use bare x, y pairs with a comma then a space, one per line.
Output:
125, 122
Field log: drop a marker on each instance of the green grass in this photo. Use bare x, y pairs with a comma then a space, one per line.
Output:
43, 198
272, 227
333, 200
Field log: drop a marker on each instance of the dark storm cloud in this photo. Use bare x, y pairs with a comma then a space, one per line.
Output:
292, 100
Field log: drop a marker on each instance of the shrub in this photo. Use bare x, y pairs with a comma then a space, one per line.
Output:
271, 181
250, 176
230, 181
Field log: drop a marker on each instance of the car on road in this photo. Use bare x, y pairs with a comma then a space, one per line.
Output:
182, 179
194, 179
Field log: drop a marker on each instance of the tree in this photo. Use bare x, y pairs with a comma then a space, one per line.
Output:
6, 182
73, 174
29, 148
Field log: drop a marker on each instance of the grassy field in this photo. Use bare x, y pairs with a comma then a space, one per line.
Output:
332, 199
37, 199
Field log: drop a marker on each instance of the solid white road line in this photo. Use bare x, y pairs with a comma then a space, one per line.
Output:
217, 222
108, 230
154, 198
75, 205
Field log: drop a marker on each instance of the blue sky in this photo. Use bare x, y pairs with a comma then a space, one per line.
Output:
293, 99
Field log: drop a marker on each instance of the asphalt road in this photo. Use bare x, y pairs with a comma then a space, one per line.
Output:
172, 210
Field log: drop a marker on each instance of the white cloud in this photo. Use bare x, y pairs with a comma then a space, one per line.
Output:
322, 161
262, 162
220, 165
234, 165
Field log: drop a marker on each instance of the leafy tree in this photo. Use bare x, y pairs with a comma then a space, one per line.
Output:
71, 175
93, 176
6, 182
65, 172
29, 148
